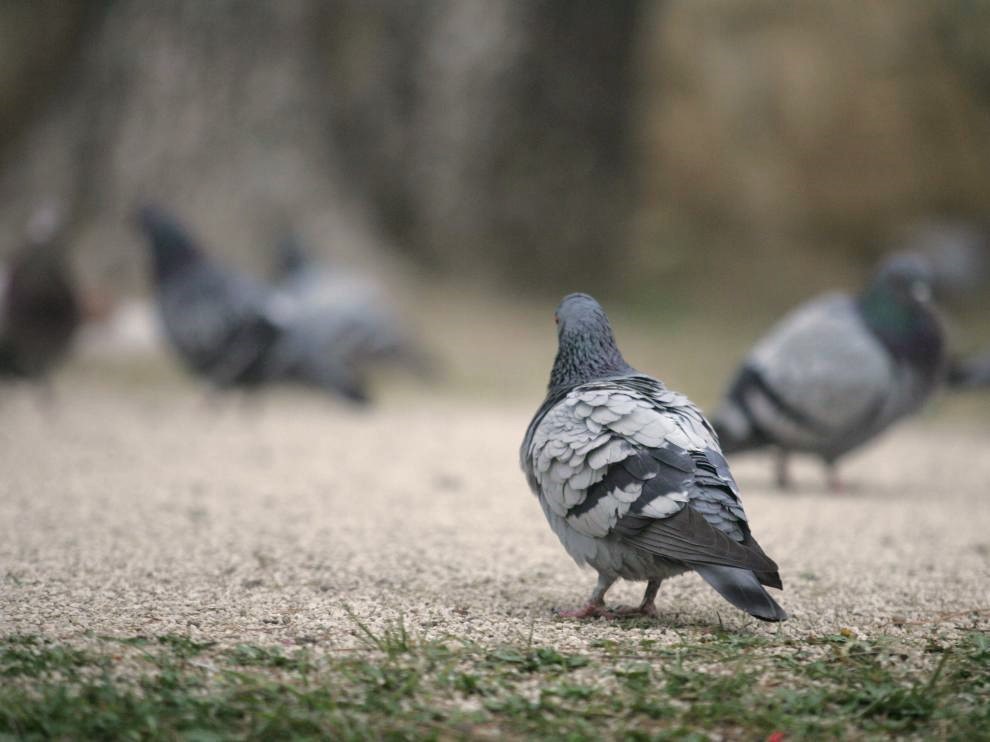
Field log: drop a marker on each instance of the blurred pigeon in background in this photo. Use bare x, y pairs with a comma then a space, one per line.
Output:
838, 370
222, 324
341, 325
236, 331
631, 478
40, 310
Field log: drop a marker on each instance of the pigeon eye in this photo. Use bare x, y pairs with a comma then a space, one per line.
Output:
556, 320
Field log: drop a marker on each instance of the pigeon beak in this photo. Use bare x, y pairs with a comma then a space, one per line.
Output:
921, 292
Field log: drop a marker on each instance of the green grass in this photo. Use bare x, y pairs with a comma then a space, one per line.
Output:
399, 686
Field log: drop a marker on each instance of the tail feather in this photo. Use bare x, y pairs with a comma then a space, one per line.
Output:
742, 588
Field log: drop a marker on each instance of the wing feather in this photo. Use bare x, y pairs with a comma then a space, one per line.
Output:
610, 452
688, 536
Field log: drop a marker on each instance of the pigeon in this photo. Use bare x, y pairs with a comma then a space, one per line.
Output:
222, 324
342, 326
631, 479
236, 331
969, 373
838, 371
40, 310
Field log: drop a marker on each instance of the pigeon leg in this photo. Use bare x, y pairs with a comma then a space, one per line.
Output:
596, 604
782, 470
646, 608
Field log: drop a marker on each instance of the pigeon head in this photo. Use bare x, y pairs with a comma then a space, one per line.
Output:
172, 247
586, 348
42, 254
904, 278
45, 224
897, 307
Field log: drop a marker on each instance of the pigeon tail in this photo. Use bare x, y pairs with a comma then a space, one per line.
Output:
968, 373
742, 588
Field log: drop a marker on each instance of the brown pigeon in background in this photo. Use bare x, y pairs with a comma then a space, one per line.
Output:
40, 310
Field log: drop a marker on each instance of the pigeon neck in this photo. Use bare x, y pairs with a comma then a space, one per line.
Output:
292, 260
584, 357
907, 328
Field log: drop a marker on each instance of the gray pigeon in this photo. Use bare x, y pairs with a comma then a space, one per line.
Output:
238, 332
838, 371
222, 324
630, 476
341, 325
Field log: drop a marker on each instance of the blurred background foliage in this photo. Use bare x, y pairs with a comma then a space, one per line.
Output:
669, 155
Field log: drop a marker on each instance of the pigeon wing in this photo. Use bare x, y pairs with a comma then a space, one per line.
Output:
818, 374
218, 321
636, 461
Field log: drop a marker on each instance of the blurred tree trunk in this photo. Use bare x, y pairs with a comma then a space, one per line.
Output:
38, 42
491, 133
485, 136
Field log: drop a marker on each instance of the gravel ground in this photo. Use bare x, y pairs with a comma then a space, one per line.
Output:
129, 511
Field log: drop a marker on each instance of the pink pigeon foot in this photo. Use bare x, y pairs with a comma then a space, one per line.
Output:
649, 610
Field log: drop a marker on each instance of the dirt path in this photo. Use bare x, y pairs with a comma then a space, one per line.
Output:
135, 512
